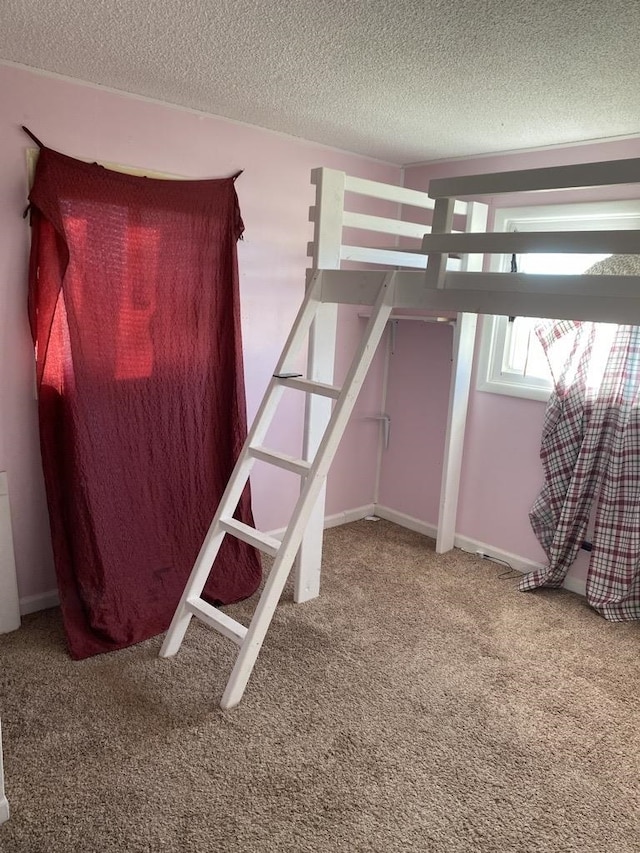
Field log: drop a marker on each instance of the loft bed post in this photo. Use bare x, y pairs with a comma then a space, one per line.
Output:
463, 347
327, 216
442, 222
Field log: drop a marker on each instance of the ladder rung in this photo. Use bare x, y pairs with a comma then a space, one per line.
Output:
282, 460
214, 618
312, 387
267, 544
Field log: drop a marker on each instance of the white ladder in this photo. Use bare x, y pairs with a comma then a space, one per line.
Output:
313, 472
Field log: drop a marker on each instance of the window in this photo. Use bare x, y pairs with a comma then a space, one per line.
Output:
511, 359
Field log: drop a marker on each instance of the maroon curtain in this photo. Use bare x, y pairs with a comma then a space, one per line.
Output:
134, 310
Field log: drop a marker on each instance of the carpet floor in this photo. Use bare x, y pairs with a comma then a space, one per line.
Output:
421, 703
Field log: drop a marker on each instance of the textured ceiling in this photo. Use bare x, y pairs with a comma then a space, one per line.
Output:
404, 81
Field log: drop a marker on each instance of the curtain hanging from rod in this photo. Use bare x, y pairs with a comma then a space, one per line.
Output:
135, 316
590, 453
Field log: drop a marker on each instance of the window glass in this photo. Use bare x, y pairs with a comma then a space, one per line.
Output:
512, 361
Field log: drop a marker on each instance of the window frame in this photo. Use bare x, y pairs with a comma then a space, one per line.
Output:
492, 377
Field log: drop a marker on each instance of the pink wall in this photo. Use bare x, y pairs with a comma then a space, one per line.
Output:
275, 195
417, 395
501, 470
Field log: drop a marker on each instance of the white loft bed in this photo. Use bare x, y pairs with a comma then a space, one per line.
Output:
417, 279
467, 292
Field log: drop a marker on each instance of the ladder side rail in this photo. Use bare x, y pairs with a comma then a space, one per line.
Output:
327, 239
464, 336
313, 486
393, 192
242, 469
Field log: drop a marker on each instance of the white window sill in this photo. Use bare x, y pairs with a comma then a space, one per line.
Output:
511, 387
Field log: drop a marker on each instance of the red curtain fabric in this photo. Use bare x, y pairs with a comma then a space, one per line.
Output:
135, 316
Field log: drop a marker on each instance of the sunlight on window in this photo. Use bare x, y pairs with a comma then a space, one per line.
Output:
511, 360
523, 354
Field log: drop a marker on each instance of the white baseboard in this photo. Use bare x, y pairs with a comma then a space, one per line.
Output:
4, 810
465, 543
42, 601
408, 521
348, 516
520, 564
335, 520
45, 600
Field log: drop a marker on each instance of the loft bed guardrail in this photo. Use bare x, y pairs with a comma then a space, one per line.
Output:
332, 213
341, 186
602, 298
607, 299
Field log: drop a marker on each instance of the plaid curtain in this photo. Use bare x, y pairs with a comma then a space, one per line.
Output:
590, 454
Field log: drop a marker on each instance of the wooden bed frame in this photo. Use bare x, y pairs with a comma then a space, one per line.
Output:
418, 278
467, 292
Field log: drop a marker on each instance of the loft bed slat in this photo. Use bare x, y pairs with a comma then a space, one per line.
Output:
380, 224
598, 308
587, 242
607, 173
396, 227
578, 286
389, 257
387, 192
383, 255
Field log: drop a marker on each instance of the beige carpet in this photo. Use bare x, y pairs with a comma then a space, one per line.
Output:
421, 704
